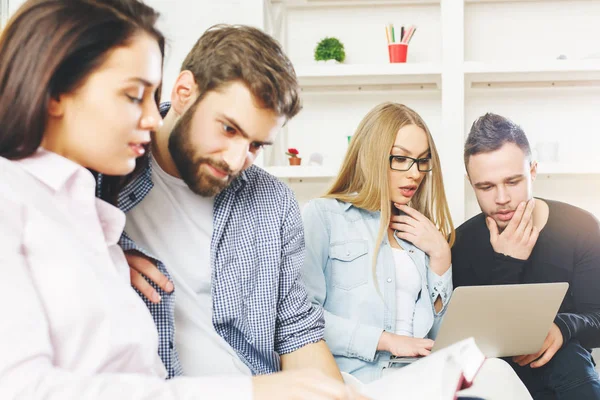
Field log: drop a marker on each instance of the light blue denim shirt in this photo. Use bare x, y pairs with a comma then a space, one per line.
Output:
338, 273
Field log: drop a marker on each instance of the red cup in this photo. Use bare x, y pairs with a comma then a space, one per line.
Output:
397, 52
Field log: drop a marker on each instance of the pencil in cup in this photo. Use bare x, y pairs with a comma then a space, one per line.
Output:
398, 41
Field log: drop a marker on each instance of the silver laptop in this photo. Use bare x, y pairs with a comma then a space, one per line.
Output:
505, 320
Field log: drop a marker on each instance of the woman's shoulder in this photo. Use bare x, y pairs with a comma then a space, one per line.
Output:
333, 212
325, 203
18, 186
13, 177
331, 206
13, 183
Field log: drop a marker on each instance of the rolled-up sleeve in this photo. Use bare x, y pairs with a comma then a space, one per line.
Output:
299, 322
440, 286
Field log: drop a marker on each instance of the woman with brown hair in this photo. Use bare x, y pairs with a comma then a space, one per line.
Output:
79, 81
378, 245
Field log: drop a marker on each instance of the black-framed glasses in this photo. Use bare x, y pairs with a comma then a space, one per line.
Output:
404, 163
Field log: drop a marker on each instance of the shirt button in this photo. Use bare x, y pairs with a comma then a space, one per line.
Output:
389, 280
348, 253
411, 251
171, 345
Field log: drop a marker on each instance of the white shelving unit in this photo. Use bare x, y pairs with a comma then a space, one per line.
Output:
292, 4
298, 4
567, 169
373, 76
476, 56
4, 12
533, 73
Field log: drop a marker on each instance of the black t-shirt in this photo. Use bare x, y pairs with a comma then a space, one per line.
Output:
567, 250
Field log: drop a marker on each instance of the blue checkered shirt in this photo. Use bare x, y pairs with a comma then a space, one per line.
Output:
260, 305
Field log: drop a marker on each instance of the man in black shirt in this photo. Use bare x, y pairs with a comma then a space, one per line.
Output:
521, 239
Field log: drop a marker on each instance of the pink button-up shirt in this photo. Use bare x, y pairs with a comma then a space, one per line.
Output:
72, 327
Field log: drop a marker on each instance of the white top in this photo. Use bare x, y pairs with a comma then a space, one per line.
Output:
176, 225
73, 328
408, 286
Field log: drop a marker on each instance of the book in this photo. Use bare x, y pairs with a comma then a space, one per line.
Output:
438, 376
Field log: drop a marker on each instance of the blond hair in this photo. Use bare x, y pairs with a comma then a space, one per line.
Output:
363, 178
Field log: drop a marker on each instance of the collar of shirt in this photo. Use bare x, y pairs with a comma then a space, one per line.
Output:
56, 171
64, 176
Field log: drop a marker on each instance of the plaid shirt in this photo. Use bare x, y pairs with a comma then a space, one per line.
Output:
260, 305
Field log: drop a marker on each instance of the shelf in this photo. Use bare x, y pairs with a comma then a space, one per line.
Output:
372, 3
550, 73
405, 76
302, 172
352, 3
558, 169
513, 1
566, 169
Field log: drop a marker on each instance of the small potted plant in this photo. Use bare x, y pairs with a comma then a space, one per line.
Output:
330, 48
294, 159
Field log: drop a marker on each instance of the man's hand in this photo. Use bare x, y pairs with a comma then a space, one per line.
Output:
520, 235
305, 384
404, 346
552, 344
140, 265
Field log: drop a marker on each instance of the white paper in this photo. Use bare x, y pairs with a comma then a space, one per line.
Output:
434, 377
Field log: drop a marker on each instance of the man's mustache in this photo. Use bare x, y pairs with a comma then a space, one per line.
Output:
220, 165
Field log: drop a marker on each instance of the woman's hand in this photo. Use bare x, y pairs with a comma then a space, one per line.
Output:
404, 346
414, 227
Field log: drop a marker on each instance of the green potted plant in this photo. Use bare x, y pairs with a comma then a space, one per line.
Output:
294, 159
330, 48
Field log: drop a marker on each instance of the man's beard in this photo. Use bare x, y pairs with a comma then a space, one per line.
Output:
188, 164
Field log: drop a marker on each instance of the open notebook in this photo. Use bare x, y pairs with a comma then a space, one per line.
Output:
438, 376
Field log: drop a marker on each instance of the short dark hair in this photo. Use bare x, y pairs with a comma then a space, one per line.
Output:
492, 131
228, 53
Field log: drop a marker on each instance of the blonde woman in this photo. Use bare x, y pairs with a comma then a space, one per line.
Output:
378, 245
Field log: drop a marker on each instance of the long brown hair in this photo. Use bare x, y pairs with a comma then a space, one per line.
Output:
363, 178
50, 47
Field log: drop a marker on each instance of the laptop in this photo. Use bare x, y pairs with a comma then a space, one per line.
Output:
504, 320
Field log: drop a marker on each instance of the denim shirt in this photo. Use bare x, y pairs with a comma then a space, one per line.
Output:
338, 273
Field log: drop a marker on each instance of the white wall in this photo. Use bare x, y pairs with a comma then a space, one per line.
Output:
183, 25
13, 5
528, 30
